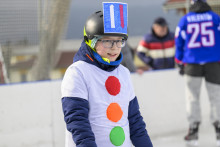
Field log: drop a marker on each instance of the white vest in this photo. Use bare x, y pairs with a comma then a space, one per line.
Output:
102, 89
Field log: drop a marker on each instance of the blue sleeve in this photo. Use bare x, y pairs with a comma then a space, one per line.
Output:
138, 133
76, 112
180, 36
219, 24
147, 60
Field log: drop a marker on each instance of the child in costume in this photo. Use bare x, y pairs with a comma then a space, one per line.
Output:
99, 104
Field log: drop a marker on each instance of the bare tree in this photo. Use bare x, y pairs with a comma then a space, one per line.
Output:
49, 39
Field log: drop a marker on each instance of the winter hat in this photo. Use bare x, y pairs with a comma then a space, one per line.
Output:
160, 21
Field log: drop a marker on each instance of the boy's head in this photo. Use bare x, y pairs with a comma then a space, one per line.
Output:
107, 44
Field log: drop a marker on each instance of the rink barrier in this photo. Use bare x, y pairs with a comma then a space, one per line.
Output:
31, 113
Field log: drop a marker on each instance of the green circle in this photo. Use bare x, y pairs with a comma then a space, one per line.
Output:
117, 136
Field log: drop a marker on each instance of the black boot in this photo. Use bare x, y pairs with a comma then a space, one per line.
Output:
217, 130
192, 136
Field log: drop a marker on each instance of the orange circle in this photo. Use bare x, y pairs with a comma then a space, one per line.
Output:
114, 112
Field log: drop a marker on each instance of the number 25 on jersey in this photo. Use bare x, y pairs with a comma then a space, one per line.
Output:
201, 35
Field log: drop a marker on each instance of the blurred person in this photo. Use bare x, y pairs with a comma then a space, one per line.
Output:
156, 49
198, 56
99, 104
128, 59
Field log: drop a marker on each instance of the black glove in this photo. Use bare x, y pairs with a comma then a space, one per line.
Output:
181, 69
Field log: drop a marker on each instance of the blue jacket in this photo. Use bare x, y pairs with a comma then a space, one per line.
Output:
198, 38
76, 109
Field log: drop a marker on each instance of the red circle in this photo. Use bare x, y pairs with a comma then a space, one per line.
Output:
113, 85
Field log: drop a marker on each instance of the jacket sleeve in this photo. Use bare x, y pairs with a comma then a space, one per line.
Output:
138, 133
180, 37
76, 112
142, 51
219, 24
146, 59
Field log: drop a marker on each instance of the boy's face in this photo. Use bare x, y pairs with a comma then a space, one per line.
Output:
104, 49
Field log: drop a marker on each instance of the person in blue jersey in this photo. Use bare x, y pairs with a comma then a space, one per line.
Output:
198, 56
156, 49
99, 104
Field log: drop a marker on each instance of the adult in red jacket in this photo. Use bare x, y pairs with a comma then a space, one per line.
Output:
156, 49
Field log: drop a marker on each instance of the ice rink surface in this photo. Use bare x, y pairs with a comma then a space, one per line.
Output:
207, 138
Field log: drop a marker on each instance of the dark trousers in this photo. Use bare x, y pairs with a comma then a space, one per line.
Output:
210, 71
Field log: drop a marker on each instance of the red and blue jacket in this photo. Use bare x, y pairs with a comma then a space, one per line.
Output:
157, 52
